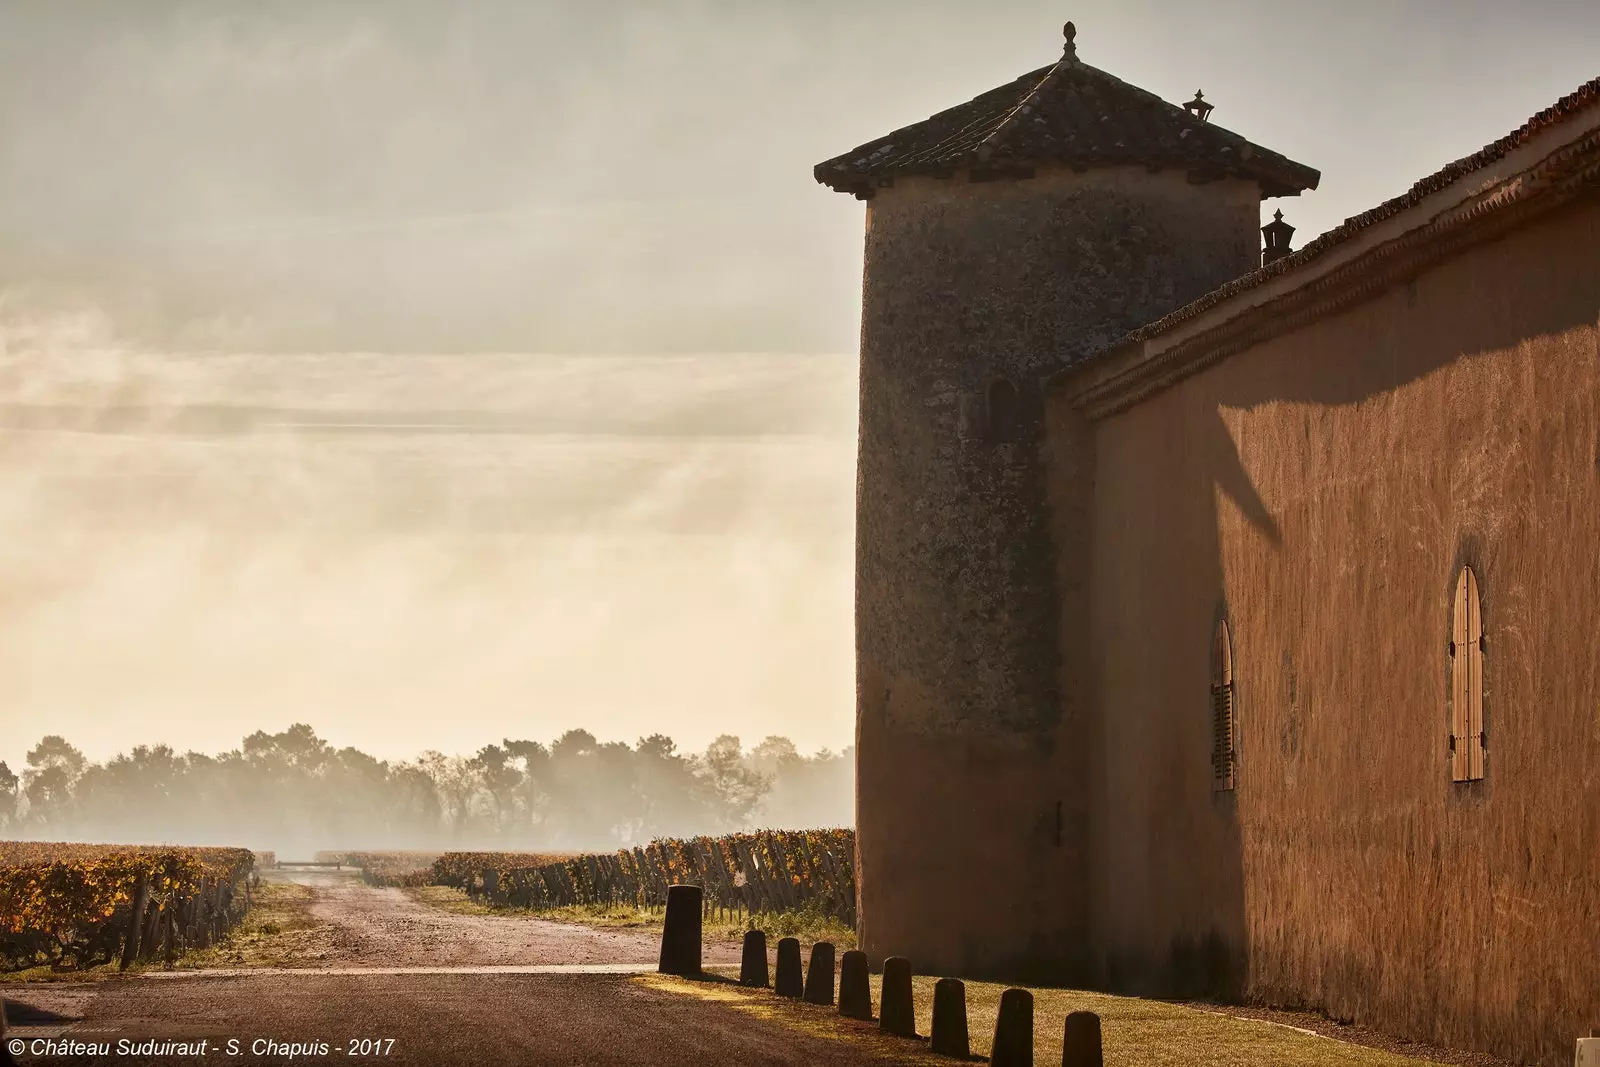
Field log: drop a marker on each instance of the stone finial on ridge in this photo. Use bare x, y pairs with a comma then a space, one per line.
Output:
1070, 32
1278, 234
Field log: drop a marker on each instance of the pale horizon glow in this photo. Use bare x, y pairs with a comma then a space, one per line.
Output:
423, 552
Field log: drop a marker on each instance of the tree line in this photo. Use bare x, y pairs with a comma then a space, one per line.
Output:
295, 793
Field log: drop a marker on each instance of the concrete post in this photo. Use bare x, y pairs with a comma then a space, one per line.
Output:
753, 960
1080, 1046
855, 986
1013, 1030
680, 934
819, 977
898, 1015
950, 1019
790, 982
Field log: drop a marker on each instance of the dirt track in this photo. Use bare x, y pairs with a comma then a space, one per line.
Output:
386, 928
471, 1019
383, 965
349, 988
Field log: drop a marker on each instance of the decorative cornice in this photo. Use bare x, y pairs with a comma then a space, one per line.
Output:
1142, 366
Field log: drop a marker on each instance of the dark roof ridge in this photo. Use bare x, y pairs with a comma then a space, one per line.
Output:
1069, 113
1581, 99
1025, 105
1562, 166
1178, 109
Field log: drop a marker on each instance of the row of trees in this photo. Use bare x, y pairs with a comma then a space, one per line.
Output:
295, 793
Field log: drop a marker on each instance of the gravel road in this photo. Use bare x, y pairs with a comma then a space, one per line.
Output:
442, 1019
386, 928
435, 987
438, 984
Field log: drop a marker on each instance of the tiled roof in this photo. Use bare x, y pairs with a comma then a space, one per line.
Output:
1067, 113
1585, 96
1482, 203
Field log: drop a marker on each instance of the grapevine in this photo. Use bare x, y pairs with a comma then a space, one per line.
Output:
74, 905
764, 871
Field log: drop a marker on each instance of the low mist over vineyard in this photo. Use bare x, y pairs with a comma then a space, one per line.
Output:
293, 792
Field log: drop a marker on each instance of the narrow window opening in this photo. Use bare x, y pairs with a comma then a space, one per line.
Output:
1223, 750
1468, 742
1001, 409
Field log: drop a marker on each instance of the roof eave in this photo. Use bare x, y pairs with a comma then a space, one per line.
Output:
1291, 180
1544, 169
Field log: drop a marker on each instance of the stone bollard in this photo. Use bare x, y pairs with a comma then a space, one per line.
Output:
855, 986
790, 982
753, 960
819, 976
680, 935
1080, 1046
950, 1019
1013, 1030
897, 1015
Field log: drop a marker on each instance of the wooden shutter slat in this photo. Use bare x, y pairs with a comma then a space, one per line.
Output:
1475, 738
1459, 686
1222, 724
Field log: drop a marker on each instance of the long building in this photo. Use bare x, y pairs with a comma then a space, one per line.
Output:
1228, 619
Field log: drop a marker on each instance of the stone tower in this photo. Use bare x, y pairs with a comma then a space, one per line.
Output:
1005, 237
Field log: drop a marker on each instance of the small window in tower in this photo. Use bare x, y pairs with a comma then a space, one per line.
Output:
1001, 410
1468, 742
1222, 725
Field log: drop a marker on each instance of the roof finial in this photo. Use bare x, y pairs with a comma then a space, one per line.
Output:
1070, 32
1198, 106
1277, 234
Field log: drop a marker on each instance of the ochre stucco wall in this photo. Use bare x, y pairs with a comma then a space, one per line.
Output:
971, 809
1323, 490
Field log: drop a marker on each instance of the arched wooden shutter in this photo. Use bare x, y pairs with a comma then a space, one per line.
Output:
1467, 740
1222, 725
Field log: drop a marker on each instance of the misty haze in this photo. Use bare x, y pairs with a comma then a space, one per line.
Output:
418, 552
773, 533
397, 370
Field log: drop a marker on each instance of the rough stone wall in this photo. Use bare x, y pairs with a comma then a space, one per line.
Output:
1323, 490
971, 813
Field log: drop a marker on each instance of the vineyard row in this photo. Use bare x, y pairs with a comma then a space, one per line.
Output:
89, 905
766, 871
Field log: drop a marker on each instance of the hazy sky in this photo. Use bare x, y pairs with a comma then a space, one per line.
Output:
630, 175
332, 382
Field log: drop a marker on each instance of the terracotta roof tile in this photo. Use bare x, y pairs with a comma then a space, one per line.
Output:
1067, 113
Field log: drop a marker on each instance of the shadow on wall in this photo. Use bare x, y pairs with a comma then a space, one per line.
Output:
1339, 857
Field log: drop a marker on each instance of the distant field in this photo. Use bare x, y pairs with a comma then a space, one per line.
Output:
381, 861
397, 868
411, 868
